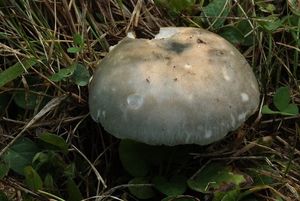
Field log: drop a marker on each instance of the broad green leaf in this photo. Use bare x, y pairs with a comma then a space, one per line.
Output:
282, 98
3, 196
78, 40
232, 34
216, 12
81, 75
266, 7
73, 191
56, 141
40, 159
133, 159
232, 195
175, 186
20, 154
62, 74
245, 28
215, 177
74, 49
32, 178
291, 109
25, 100
49, 182
16, 70
4, 168
141, 192
271, 23
267, 110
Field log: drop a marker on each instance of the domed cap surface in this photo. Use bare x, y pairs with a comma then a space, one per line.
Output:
185, 86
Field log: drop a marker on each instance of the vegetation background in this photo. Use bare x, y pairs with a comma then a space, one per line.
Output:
52, 150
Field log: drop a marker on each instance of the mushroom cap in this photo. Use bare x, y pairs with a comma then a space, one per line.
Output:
185, 86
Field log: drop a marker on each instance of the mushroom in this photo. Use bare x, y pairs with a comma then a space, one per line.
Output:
185, 86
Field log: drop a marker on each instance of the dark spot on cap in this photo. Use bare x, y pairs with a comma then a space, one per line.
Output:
176, 47
216, 52
219, 52
201, 41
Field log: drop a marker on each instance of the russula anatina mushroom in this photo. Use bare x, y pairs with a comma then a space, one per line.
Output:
185, 86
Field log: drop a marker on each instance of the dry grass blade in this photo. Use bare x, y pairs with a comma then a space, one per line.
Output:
99, 177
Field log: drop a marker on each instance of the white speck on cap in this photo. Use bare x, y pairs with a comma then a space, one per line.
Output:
244, 97
242, 117
135, 101
233, 122
103, 114
187, 66
226, 74
208, 134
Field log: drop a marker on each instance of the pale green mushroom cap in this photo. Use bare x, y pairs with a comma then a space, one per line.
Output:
185, 86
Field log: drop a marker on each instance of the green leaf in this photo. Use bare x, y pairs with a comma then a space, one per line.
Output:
215, 177
216, 12
267, 110
132, 157
266, 7
40, 159
74, 49
32, 178
282, 98
291, 110
62, 74
232, 195
25, 100
175, 186
3, 196
78, 40
141, 192
20, 154
81, 75
49, 182
73, 191
16, 70
232, 34
56, 141
271, 23
245, 28
4, 168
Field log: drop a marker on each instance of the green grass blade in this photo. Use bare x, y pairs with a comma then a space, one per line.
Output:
16, 70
